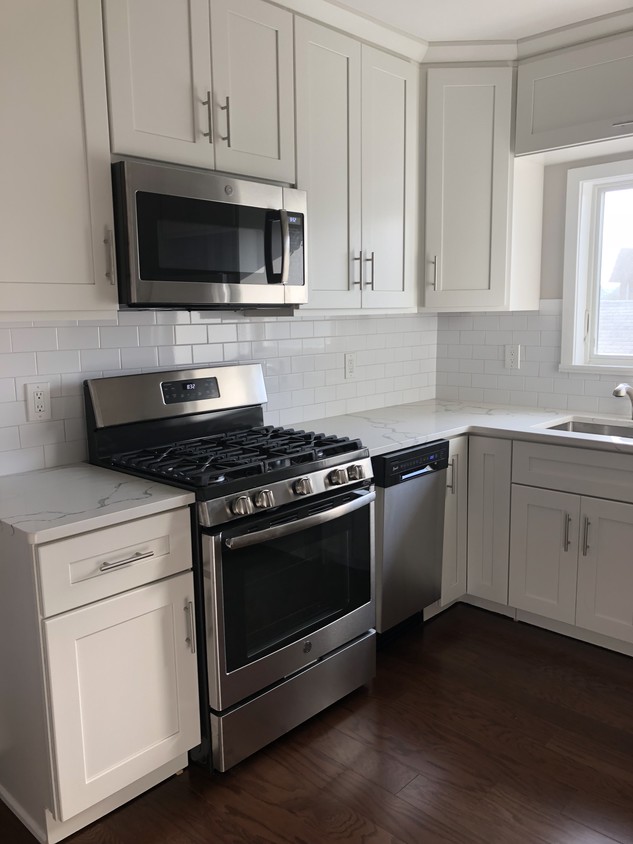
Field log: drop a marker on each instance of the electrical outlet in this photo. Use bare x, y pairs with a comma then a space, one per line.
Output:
350, 365
38, 401
513, 357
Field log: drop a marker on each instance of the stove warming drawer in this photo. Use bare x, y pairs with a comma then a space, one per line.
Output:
250, 726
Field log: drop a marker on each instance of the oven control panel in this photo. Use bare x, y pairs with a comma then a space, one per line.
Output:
222, 510
176, 392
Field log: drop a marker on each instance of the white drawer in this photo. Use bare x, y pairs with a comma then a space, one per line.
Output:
603, 474
95, 565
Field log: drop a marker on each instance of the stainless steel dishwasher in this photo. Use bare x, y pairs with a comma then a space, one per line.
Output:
410, 495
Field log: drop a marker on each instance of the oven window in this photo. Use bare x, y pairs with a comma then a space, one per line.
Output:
282, 590
182, 239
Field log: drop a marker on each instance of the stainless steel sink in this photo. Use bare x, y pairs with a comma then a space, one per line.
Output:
577, 426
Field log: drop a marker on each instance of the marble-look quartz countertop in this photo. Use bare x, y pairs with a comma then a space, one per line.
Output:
400, 426
55, 503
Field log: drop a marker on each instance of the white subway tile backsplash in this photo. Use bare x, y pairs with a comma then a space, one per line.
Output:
9, 439
143, 357
5, 340
210, 353
156, 335
118, 337
57, 362
174, 355
7, 389
33, 339
22, 460
41, 433
96, 359
78, 337
188, 334
17, 364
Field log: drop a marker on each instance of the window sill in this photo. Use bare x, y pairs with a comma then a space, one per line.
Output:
595, 369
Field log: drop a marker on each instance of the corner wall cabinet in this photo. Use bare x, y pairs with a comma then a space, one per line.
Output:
357, 159
454, 558
56, 210
483, 207
103, 702
575, 96
180, 89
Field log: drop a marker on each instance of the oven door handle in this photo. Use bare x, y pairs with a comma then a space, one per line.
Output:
234, 543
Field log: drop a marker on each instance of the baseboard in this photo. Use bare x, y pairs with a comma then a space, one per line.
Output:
33, 827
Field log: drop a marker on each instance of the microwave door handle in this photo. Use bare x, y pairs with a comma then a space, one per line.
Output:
271, 276
285, 242
235, 543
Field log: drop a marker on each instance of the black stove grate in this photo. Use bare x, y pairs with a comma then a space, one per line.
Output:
208, 461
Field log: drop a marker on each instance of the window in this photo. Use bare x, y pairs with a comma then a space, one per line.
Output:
598, 271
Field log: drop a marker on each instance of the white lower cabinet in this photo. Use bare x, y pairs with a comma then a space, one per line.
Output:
544, 552
570, 554
454, 558
489, 474
604, 600
99, 689
122, 680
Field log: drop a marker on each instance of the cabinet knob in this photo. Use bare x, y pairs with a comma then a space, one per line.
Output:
355, 472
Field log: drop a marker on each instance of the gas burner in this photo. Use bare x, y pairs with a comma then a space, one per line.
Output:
229, 456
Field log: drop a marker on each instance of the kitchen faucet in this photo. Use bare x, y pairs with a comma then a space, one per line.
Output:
625, 390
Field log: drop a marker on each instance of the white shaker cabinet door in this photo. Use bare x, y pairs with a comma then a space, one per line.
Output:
56, 208
489, 472
454, 556
251, 43
544, 552
123, 690
328, 161
576, 96
159, 78
469, 118
605, 568
390, 182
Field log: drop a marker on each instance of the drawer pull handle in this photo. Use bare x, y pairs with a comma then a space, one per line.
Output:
191, 627
453, 484
127, 562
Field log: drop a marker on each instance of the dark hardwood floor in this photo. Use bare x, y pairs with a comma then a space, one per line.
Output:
477, 730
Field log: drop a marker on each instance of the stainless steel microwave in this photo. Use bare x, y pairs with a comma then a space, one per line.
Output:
197, 240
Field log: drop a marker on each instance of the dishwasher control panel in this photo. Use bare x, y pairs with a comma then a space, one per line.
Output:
397, 467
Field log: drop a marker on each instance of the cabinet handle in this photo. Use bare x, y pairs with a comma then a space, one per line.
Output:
371, 261
127, 562
453, 484
207, 103
566, 540
111, 265
191, 627
623, 123
433, 283
227, 109
585, 537
360, 260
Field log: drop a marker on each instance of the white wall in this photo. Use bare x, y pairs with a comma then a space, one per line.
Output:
302, 359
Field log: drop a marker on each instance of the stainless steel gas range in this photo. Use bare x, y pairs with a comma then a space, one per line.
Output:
283, 529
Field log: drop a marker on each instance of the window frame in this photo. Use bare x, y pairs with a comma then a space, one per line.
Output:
586, 187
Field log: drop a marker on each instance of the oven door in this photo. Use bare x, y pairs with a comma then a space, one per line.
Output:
284, 589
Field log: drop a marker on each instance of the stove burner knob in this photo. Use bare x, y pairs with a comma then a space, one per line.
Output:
338, 477
303, 486
241, 506
264, 499
355, 473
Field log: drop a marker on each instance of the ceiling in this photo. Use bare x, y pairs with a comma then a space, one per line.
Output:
481, 20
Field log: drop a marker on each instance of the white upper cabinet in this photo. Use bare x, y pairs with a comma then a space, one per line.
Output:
357, 159
328, 160
483, 208
56, 209
159, 76
576, 96
390, 179
207, 83
251, 45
